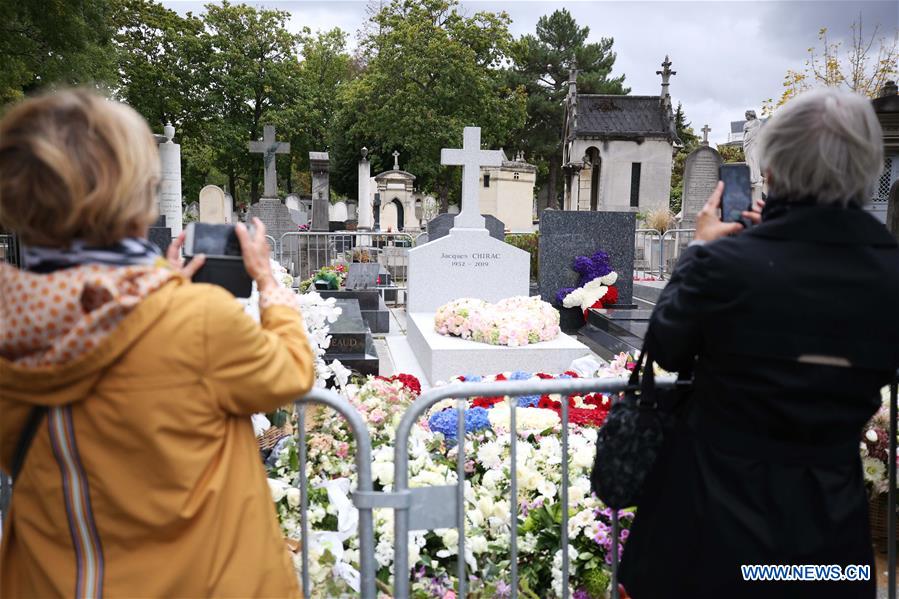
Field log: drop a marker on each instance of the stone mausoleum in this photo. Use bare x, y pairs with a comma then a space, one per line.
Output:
617, 151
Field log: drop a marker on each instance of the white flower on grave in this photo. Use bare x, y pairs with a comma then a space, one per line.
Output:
293, 497
382, 472
478, 544
874, 470
278, 489
871, 435
341, 373
547, 490
450, 538
384, 553
475, 518
492, 480
490, 454
609, 279
587, 295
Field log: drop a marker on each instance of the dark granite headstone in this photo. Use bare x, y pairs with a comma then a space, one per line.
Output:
565, 235
440, 225
363, 276
159, 234
351, 340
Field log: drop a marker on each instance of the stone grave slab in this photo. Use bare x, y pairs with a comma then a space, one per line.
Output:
609, 332
351, 340
274, 214
565, 235
440, 225
442, 357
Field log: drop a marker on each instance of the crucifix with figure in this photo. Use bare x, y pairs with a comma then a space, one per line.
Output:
471, 158
268, 147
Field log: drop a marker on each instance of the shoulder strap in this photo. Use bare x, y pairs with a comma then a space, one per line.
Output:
25, 439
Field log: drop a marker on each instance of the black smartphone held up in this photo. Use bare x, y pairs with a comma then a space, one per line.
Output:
737, 197
224, 263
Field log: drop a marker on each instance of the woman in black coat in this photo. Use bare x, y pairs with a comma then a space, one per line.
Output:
791, 329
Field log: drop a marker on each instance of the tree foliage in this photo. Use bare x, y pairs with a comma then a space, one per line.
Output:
541, 66
862, 66
431, 71
53, 42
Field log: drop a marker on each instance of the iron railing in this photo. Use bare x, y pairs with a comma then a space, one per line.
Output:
10, 249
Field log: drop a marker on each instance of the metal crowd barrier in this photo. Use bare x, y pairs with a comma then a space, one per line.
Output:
10, 249
671, 244
647, 253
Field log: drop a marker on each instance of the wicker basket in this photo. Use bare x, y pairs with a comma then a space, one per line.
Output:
877, 513
270, 438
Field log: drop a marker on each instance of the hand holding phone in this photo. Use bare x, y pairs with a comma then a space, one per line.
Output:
737, 196
224, 264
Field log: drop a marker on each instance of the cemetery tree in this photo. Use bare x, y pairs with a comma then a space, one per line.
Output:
163, 74
431, 70
54, 42
863, 67
731, 153
253, 75
310, 119
541, 65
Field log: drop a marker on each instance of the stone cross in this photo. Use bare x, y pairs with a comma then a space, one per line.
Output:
396, 160
705, 135
666, 74
471, 158
268, 147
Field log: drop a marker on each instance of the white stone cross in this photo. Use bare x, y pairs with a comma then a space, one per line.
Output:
705, 135
396, 160
471, 158
268, 147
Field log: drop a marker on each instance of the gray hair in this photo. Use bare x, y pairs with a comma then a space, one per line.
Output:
825, 143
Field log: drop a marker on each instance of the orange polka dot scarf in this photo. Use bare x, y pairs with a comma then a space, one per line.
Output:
50, 319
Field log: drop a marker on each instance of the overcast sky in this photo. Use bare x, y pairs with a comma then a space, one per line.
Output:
729, 55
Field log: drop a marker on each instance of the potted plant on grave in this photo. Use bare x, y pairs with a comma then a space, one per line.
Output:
875, 452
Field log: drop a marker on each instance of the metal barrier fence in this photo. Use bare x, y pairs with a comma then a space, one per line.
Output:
304, 253
647, 253
656, 253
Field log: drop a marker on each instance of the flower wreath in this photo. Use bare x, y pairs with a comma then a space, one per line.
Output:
596, 287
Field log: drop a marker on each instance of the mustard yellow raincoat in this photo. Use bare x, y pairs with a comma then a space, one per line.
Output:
144, 478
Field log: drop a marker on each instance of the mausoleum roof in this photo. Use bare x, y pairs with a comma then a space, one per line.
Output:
395, 174
622, 117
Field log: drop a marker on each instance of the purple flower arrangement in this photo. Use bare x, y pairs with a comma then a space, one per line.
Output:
589, 268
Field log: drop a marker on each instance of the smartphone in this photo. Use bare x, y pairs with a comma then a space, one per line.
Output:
737, 196
224, 263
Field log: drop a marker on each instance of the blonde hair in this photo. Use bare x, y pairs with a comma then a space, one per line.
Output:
826, 144
74, 165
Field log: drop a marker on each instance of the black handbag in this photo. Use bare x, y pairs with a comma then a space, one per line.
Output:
630, 440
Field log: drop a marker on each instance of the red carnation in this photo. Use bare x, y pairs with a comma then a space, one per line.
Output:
409, 382
500, 377
543, 375
486, 402
611, 296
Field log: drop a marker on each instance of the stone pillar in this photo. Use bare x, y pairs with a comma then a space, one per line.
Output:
170, 183
319, 163
365, 208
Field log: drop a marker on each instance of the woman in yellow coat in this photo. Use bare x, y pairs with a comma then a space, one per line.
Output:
142, 477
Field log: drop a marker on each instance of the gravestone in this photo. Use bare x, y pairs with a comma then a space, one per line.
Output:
440, 225
297, 208
351, 340
566, 234
352, 211
610, 332
366, 216
700, 179
338, 212
212, 205
469, 262
274, 215
159, 234
363, 275
170, 179
320, 165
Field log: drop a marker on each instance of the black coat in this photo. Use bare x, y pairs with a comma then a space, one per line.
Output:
792, 329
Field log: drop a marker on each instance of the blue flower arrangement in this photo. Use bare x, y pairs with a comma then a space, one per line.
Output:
445, 421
